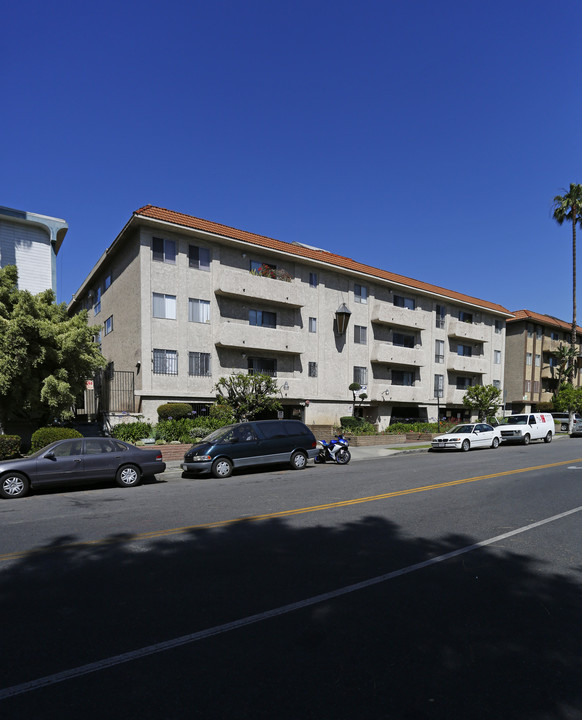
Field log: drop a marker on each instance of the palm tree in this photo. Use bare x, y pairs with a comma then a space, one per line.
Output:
569, 207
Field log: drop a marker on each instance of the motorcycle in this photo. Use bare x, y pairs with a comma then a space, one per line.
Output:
335, 450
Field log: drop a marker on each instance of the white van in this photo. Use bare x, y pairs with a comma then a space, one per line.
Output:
527, 427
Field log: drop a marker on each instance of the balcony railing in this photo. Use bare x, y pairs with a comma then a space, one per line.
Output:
397, 355
250, 337
468, 331
237, 284
388, 314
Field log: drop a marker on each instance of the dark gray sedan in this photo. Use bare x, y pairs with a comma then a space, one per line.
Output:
77, 461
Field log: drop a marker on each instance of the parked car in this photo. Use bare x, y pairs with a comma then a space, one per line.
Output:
78, 461
467, 436
577, 427
527, 427
259, 442
564, 419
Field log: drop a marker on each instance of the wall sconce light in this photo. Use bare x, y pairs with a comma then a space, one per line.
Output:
286, 386
342, 318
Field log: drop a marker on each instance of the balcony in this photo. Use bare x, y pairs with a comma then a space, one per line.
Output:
396, 355
473, 365
468, 331
387, 314
240, 285
453, 396
385, 392
250, 337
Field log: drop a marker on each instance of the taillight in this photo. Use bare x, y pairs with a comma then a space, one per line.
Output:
159, 456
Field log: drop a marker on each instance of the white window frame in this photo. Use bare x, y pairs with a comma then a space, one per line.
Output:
360, 294
198, 310
168, 251
164, 306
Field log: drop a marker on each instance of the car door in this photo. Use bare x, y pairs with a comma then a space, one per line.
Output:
241, 445
275, 444
61, 463
101, 459
486, 433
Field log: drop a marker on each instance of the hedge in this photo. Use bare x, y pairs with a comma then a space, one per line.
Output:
175, 411
132, 432
9, 446
46, 435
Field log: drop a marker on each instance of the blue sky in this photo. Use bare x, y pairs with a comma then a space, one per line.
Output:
425, 138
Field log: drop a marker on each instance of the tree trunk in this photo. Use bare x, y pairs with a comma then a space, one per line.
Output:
573, 360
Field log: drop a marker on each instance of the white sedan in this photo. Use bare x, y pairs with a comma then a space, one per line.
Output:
467, 436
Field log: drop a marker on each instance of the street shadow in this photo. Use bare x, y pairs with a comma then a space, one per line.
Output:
491, 633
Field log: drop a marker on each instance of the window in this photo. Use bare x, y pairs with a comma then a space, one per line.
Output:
262, 318
312, 369
403, 377
199, 257
497, 357
164, 306
267, 366
404, 302
538, 360
528, 358
263, 269
165, 362
198, 310
402, 340
464, 350
538, 332
98, 301
360, 375
498, 326
107, 281
463, 383
312, 280
465, 316
198, 363
440, 316
360, 334
536, 386
312, 325
164, 250
439, 385
439, 351
527, 386
109, 325
360, 294
97, 339
530, 331
497, 384
555, 335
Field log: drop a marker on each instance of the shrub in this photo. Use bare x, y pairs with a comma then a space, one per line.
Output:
132, 432
46, 435
348, 422
221, 414
200, 431
9, 446
175, 411
174, 430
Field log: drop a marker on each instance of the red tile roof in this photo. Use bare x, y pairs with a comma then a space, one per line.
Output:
546, 319
175, 218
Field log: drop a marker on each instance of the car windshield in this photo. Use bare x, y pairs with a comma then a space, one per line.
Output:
515, 420
463, 429
216, 435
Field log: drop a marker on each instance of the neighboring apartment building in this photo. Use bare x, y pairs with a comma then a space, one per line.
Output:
181, 302
531, 366
31, 242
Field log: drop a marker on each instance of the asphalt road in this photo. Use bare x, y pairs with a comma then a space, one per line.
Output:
416, 586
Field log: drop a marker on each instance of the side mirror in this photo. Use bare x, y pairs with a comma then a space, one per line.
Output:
50, 455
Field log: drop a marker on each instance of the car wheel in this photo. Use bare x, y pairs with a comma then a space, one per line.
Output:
526, 439
495, 443
465, 446
127, 476
222, 468
548, 438
13, 485
564, 427
298, 460
343, 457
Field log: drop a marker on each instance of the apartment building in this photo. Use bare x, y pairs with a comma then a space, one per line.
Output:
531, 367
31, 242
179, 302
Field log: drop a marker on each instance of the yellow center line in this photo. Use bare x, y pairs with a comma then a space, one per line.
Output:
281, 513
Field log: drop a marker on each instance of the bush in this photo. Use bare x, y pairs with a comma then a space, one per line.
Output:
349, 422
9, 446
174, 430
132, 432
199, 432
221, 414
175, 411
46, 435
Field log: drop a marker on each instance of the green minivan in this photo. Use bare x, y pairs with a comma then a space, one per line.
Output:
247, 444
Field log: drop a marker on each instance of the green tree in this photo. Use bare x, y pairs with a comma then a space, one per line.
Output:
568, 207
566, 357
568, 399
247, 395
485, 399
45, 355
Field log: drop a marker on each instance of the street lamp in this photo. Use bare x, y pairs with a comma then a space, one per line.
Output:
342, 317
